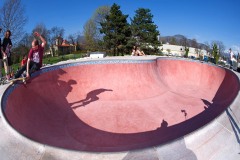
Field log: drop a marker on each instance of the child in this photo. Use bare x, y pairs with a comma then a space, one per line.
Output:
24, 61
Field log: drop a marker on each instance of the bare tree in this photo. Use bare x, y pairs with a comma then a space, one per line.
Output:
100, 14
53, 33
173, 41
72, 38
99, 17
26, 41
89, 31
41, 28
12, 18
194, 43
184, 42
207, 47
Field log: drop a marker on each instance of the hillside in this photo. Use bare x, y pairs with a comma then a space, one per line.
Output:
182, 41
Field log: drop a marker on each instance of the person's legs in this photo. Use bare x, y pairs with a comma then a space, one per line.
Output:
33, 67
6, 67
20, 71
231, 63
10, 66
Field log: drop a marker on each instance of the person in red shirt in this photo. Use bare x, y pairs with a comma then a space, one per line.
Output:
35, 56
24, 61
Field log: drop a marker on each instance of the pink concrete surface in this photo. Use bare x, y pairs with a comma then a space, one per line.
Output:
117, 107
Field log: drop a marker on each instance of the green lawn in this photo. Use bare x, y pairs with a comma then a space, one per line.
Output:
51, 60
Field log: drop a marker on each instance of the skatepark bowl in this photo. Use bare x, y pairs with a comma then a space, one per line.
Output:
118, 105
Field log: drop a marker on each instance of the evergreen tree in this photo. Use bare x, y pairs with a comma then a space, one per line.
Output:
116, 31
186, 51
144, 31
215, 53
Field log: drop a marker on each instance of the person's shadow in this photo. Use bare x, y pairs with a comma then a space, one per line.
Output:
185, 113
207, 104
91, 97
164, 124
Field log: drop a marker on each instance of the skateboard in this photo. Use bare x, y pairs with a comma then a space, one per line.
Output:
21, 79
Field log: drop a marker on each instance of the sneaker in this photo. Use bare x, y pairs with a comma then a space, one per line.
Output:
7, 81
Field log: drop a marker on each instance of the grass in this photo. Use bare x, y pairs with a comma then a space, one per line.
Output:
48, 59
53, 60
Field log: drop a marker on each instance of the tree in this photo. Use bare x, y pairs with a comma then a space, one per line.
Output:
194, 43
173, 41
116, 30
12, 18
54, 33
144, 31
26, 41
22, 48
89, 31
18, 53
99, 17
207, 47
186, 51
72, 38
215, 53
79, 40
220, 45
184, 42
42, 29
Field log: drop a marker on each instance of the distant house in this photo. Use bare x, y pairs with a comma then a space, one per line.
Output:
176, 50
62, 47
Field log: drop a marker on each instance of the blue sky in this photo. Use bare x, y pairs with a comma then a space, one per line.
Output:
204, 20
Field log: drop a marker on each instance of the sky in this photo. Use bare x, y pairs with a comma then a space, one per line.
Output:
204, 20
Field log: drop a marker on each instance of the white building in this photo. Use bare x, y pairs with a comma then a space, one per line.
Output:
180, 51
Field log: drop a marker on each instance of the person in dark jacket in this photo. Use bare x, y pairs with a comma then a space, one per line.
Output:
6, 53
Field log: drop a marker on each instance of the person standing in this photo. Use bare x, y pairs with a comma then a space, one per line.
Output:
35, 56
6, 53
231, 57
238, 58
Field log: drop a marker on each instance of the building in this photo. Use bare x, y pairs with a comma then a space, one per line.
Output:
175, 50
62, 47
